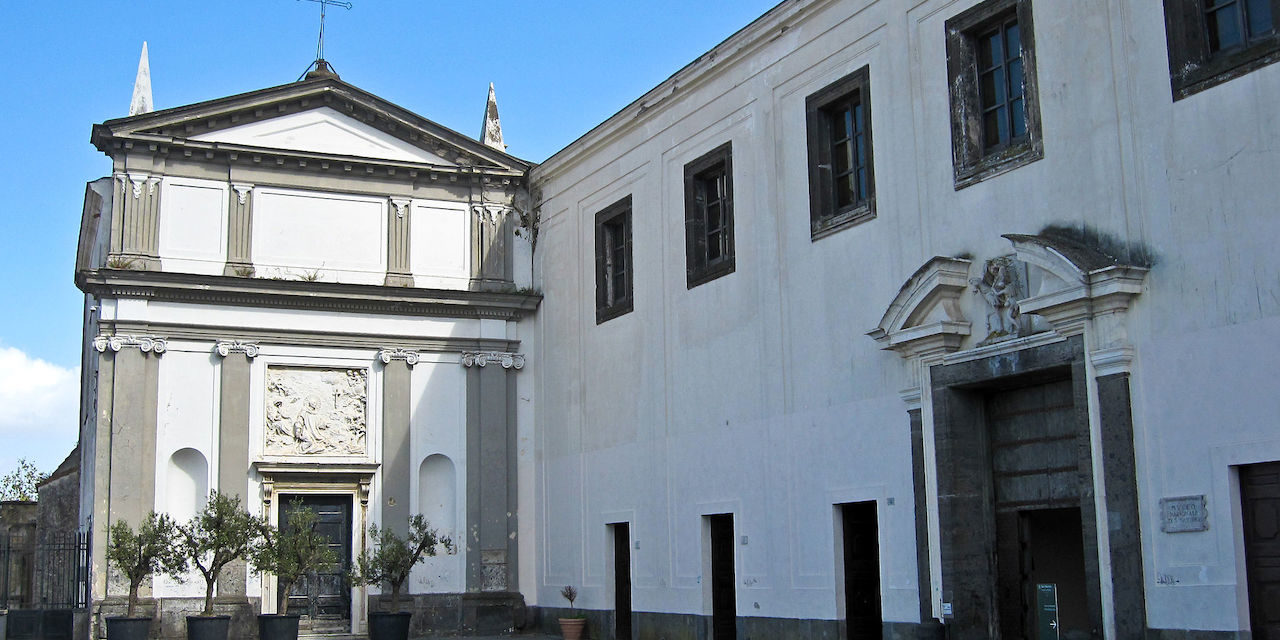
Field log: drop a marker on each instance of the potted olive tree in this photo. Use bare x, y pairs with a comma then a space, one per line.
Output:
138, 555
571, 625
220, 533
290, 552
390, 563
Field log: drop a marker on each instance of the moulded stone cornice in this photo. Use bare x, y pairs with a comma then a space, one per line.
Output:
294, 97
367, 341
732, 51
145, 344
327, 296
910, 325
1111, 361
506, 360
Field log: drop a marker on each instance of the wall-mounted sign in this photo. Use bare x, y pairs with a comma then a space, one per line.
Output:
1047, 612
1183, 514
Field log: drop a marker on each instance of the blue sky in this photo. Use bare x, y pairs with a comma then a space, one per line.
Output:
559, 67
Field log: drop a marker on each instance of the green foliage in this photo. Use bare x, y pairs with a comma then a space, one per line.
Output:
394, 557
140, 554
222, 532
20, 484
292, 552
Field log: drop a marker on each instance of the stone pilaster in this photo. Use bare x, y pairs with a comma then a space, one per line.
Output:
135, 231
399, 273
240, 231
491, 479
233, 441
491, 265
1121, 496
129, 417
396, 472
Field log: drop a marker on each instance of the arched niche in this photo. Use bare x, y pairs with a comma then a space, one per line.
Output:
186, 484
437, 492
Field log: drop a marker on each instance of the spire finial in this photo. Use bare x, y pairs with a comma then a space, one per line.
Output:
491, 135
141, 102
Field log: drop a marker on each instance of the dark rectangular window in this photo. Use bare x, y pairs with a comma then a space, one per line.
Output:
708, 219
614, 268
995, 115
1213, 41
841, 177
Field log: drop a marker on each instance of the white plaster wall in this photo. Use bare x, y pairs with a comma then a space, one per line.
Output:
311, 235
187, 418
193, 225
438, 426
440, 244
758, 394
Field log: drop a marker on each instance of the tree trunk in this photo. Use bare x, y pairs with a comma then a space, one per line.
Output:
395, 597
208, 598
282, 596
133, 598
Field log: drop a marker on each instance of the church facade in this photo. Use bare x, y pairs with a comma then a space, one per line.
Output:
306, 292
876, 321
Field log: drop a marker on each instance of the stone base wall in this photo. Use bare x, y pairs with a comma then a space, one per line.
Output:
676, 626
1193, 634
169, 615
459, 614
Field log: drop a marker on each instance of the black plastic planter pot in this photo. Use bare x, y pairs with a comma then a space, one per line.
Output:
128, 628
273, 626
208, 627
389, 626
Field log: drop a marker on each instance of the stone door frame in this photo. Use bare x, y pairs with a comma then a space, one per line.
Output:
1082, 296
354, 480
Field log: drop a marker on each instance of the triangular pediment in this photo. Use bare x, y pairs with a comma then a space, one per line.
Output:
325, 118
325, 131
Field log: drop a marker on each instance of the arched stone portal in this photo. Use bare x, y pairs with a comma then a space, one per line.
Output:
1007, 420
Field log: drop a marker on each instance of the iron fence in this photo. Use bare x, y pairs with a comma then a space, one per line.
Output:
48, 574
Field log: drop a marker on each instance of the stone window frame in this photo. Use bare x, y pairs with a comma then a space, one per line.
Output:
971, 161
614, 219
1193, 67
698, 175
825, 217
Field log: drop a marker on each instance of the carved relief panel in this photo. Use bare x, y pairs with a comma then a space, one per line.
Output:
315, 411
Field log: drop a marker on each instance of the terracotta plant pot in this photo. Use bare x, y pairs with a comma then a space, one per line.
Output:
389, 626
208, 627
273, 626
127, 628
572, 628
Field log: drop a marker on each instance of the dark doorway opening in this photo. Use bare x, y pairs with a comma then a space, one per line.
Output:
724, 608
1260, 502
1052, 546
323, 598
621, 580
861, 553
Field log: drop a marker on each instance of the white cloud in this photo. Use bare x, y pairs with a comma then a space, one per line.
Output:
39, 410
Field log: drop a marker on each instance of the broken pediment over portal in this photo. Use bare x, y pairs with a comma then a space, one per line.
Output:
1047, 284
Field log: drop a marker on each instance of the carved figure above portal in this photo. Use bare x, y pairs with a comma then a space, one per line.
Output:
1002, 284
316, 411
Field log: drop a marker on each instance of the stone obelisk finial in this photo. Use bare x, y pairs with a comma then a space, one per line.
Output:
141, 102
491, 135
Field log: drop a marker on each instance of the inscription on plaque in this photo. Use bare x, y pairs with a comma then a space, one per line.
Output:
1183, 514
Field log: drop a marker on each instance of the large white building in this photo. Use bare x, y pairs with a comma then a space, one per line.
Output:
879, 320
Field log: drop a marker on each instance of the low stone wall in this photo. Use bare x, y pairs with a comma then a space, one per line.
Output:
169, 615
676, 626
452, 614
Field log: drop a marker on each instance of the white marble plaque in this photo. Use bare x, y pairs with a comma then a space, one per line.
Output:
316, 411
1183, 514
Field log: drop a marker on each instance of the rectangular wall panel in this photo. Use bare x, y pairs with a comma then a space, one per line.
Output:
193, 226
